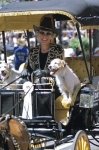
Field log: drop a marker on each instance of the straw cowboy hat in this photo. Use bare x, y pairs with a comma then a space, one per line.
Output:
21, 42
46, 24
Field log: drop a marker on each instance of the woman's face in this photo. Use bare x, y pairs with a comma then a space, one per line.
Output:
45, 37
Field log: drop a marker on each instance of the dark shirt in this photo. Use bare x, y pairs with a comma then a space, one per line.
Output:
42, 59
36, 60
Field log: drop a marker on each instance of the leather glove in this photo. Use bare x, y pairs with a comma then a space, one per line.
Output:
41, 73
24, 73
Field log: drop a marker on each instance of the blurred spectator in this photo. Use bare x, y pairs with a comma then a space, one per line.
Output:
15, 41
9, 43
78, 51
32, 42
70, 25
75, 44
68, 51
21, 53
64, 37
96, 51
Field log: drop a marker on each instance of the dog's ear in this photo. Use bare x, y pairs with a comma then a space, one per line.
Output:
63, 63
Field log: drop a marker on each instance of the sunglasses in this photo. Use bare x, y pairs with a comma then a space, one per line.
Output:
47, 33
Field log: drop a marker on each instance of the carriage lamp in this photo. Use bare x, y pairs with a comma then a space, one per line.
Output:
89, 98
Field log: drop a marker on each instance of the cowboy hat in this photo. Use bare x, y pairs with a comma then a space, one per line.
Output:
46, 24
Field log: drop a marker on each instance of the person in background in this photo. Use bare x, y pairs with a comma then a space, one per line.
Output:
46, 50
68, 51
96, 51
20, 53
64, 37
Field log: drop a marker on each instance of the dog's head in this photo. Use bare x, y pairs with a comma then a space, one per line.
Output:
56, 65
4, 71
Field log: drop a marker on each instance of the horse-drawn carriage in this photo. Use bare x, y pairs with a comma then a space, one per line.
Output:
52, 126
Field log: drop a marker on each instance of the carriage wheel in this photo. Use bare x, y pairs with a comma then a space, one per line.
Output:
81, 141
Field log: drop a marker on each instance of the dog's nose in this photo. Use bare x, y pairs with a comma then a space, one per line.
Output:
2, 71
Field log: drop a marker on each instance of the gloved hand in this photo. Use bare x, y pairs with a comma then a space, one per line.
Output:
24, 73
41, 73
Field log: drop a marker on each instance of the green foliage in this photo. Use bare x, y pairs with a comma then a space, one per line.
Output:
85, 44
74, 43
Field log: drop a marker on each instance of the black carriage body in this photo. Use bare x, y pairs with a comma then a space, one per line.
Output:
43, 103
89, 98
85, 113
11, 102
43, 95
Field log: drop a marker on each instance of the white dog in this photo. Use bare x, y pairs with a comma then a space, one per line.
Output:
66, 79
9, 74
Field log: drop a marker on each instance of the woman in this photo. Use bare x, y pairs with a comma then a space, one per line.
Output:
41, 55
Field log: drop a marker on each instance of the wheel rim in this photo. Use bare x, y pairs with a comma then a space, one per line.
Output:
81, 141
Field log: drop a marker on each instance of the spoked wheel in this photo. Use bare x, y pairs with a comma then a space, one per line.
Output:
81, 141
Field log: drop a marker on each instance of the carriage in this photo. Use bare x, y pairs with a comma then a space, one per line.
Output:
55, 127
